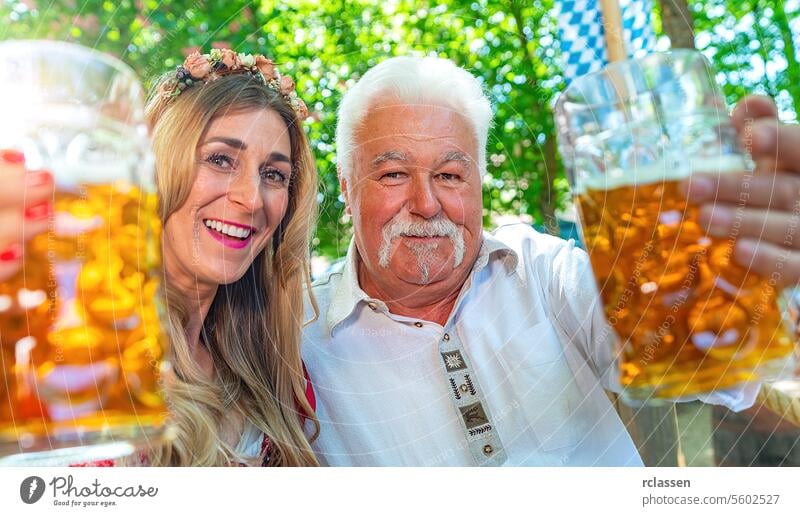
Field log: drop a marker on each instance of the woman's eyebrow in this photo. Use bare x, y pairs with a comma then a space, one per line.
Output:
231, 142
239, 144
278, 156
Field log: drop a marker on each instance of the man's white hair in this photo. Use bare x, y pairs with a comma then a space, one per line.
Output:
413, 80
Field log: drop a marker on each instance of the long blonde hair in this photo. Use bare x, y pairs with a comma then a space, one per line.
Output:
253, 328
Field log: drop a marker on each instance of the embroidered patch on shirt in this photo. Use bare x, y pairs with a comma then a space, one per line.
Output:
473, 415
453, 361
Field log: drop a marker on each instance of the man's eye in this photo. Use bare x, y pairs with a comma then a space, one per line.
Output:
220, 160
446, 176
393, 175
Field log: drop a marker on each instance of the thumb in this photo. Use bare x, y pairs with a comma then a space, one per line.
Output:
753, 107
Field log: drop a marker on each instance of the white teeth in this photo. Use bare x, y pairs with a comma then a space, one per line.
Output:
227, 229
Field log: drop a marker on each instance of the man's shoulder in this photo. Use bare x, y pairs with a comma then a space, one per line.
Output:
547, 257
524, 240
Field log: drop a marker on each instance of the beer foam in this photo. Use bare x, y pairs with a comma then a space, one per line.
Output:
665, 170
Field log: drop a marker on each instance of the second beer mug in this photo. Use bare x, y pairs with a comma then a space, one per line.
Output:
690, 320
80, 337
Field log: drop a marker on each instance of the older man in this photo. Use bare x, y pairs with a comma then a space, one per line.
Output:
438, 343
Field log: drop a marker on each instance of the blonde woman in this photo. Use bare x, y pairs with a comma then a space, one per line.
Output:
238, 196
237, 187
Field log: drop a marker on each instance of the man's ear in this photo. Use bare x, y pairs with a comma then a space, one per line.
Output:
345, 192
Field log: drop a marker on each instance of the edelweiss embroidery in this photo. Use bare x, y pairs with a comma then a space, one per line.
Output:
453, 361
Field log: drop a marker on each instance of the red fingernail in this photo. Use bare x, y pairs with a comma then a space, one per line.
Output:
12, 156
40, 178
11, 253
38, 211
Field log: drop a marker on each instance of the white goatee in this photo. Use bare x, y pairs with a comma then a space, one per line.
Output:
439, 226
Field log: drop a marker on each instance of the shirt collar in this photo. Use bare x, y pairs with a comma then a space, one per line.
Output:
348, 294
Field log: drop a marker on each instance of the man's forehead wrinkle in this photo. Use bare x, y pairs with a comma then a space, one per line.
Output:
415, 136
427, 137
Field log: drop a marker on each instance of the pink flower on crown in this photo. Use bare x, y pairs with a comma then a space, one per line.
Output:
230, 59
266, 67
197, 65
287, 85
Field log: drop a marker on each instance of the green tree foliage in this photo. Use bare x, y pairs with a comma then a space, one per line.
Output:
753, 44
511, 45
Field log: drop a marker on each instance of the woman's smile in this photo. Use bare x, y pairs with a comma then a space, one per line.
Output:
230, 234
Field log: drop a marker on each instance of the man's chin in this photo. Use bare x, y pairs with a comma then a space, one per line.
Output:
420, 278
419, 281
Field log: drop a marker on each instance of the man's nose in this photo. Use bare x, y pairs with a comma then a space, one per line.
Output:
423, 199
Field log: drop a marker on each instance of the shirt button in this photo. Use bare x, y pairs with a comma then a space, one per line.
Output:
373, 306
446, 336
418, 324
487, 450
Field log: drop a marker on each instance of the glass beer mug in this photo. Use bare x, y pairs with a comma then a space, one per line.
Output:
690, 320
80, 335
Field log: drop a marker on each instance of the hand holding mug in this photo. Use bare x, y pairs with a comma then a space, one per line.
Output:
760, 210
26, 200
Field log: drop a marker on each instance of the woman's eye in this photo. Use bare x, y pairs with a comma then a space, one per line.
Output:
220, 160
273, 175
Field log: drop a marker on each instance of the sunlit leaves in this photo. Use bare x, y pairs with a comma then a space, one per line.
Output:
511, 45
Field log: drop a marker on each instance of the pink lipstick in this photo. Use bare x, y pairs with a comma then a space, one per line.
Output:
234, 242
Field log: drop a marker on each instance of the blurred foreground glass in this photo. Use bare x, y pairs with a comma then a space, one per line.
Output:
690, 320
80, 335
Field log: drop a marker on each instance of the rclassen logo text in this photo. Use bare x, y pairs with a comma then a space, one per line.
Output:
63, 487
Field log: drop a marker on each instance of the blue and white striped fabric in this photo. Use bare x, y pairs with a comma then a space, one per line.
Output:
583, 45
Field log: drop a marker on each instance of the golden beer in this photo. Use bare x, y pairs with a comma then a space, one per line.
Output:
80, 337
690, 319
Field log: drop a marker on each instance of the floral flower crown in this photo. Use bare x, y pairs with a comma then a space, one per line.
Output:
202, 68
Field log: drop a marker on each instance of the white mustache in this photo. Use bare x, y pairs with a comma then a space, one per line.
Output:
440, 226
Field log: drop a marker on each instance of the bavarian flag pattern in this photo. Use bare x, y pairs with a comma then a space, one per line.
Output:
583, 45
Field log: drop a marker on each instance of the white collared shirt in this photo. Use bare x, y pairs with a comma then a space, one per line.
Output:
530, 321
